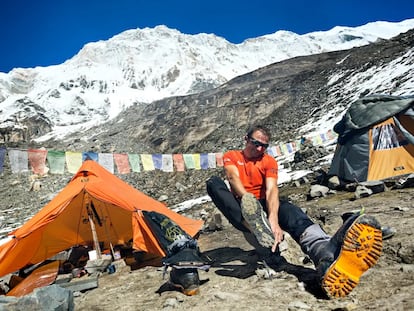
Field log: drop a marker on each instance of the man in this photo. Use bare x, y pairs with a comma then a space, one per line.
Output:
252, 206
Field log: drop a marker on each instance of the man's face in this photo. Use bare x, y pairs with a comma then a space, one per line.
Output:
256, 144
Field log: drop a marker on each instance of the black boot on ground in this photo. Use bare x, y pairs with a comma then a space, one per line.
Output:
186, 280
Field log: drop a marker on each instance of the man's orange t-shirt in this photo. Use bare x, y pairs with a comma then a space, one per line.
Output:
252, 173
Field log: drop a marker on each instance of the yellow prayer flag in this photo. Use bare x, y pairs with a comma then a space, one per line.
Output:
73, 161
147, 162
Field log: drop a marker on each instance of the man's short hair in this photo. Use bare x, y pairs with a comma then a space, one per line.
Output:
260, 128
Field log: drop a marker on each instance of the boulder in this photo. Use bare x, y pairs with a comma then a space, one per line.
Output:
46, 298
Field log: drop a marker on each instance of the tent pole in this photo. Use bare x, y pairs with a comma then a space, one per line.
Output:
95, 238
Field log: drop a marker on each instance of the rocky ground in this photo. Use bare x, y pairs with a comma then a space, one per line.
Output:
237, 281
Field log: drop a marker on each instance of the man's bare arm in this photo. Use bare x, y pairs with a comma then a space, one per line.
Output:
232, 174
272, 201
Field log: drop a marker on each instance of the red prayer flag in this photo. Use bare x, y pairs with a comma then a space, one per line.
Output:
122, 163
37, 160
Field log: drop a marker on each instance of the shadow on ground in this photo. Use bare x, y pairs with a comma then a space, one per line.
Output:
238, 263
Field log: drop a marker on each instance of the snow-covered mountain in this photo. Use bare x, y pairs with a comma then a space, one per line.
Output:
140, 66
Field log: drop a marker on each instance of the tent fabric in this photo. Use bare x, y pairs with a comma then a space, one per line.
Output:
348, 161
93, 193
375, 141
406, 125
370, 110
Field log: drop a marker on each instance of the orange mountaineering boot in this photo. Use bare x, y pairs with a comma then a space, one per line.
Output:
344, 257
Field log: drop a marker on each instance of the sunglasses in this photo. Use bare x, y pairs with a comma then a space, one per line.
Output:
258, 143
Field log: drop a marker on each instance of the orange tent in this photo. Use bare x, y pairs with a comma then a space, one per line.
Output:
93, 194
375, 139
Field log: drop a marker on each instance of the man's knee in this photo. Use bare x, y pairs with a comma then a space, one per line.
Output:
215, 183
225, 202
293, 219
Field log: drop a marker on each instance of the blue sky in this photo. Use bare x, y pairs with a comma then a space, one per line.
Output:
48, 32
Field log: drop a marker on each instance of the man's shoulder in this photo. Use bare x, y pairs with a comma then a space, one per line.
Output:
231, 156
232, 153
269, 158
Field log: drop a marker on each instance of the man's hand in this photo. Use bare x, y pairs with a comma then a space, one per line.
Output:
278, 234
272, 202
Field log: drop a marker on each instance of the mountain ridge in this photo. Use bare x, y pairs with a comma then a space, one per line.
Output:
82, 92
295, 97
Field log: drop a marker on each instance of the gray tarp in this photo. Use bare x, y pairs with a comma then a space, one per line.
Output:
370, 110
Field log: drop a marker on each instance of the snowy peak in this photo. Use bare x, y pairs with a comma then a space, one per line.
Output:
160, 62
140, 66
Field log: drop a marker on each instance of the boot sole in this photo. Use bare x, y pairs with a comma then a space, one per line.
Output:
360, 251
186, 291
191, 292
253, 213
